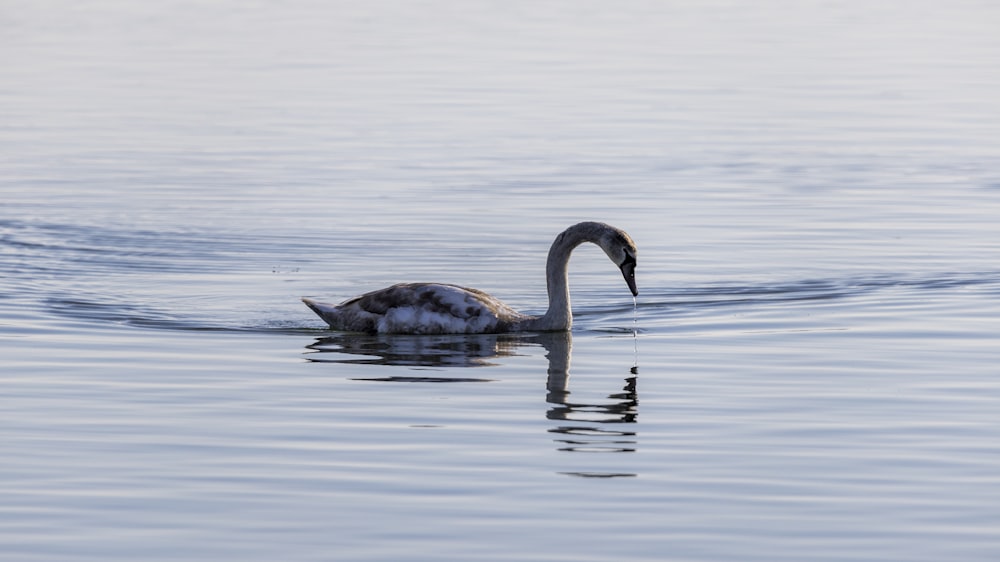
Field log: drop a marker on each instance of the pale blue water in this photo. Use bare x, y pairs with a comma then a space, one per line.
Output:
813, 187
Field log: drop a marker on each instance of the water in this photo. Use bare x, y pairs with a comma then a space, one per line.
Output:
809, 373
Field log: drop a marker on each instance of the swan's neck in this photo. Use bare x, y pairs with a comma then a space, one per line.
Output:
559, 315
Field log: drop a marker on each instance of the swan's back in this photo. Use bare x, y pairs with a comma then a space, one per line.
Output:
421, 308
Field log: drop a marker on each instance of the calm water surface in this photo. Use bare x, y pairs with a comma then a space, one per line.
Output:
810, 372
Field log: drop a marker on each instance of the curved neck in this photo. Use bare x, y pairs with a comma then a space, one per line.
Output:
559, 316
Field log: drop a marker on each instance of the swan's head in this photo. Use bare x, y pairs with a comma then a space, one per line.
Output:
620, 248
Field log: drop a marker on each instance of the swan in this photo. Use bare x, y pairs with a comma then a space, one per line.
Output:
440, 308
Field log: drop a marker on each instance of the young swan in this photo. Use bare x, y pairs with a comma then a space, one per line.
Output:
437, 308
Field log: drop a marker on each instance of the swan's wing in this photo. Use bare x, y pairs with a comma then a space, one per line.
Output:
435, 308
435, 298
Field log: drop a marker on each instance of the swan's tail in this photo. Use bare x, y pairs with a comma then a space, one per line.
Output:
325, 311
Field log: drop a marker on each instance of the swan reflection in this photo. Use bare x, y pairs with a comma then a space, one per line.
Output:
456, 350
583, 426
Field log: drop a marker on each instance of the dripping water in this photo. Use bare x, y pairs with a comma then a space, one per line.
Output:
635, 335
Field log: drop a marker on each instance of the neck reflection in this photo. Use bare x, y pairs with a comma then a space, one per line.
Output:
588, 426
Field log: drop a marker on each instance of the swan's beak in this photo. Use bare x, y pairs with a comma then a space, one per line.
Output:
628, 271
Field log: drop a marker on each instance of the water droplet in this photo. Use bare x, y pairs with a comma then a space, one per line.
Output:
635, 334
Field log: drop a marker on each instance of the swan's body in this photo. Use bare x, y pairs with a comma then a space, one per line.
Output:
437, 308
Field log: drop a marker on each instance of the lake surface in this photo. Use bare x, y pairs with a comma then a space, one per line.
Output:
810, 372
